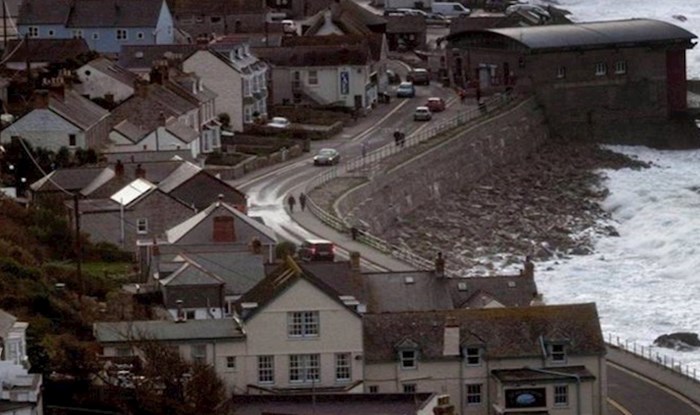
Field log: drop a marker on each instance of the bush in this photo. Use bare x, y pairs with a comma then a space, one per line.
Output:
284, 249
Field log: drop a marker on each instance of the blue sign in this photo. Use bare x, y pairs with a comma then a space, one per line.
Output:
344, 83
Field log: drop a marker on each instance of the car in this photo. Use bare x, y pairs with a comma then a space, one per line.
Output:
326, 157
437, 19
419, 76
435, 104
289, 26
422, 113
316, 250
393, 77
413, 12
279, 122
406, 90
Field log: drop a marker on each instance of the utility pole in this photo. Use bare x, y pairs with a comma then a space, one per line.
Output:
4, 25
78, 247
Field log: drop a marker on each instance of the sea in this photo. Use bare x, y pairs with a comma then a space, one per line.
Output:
646, 281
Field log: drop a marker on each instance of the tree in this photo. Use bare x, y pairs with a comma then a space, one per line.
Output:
225, 120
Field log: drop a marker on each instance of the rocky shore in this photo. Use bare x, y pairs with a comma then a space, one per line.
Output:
546, 206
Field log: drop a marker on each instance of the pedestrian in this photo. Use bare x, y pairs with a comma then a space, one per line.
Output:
302, 201
402, 140
291, 201
364, 149
354, 232
397, 137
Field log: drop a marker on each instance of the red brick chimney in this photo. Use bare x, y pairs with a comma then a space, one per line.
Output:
355, 261
140, 172
140, 88
223, 229
40, 99
439, 265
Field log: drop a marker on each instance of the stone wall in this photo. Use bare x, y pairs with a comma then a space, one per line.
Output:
458, 162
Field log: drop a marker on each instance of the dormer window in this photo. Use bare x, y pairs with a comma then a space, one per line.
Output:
409, 359
472, 356
557, 352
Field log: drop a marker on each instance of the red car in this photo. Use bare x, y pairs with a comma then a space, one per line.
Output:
435, 104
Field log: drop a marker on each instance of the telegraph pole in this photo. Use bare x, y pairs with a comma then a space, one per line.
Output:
78, 247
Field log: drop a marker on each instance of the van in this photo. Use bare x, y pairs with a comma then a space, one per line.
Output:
418, 76
450, 9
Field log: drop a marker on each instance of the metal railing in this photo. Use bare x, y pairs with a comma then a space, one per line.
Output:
650, 354
359, 163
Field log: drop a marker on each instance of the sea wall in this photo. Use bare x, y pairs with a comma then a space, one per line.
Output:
455, 164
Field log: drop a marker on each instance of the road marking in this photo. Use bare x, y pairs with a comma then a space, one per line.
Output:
619, 407
658, 385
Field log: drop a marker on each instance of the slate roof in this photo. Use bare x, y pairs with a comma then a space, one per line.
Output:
216, 7
190, 273
332, 404
181, 174
239, 271
113, 70
405, 24
77, 109
373, 41
72, 179
130, 131
181, 130
7, 320
522, 375
141, 57
45, 50
91, 13
505, 332
190, 330
315, 55
145, 110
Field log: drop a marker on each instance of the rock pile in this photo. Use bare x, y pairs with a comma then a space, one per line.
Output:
546, 205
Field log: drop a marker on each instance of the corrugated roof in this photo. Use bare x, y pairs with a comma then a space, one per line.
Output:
132, 191
183, 173
191, 330
595, 34
77, 109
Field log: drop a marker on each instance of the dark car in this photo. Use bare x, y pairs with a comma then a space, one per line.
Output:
326, 157
316, 250
419, 76
436, 104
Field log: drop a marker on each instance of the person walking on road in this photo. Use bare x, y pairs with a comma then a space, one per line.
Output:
302, 201
291, 201
397, 137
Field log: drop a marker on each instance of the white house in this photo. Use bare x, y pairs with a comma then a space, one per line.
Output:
103, 78
172, 135
20, 391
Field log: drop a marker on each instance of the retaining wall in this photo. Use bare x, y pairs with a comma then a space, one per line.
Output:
453, 165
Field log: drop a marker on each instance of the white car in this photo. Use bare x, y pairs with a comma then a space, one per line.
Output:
279, 122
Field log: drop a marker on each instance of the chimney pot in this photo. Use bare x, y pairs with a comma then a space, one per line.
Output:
140, 171
119, 168
355, 261
440, 265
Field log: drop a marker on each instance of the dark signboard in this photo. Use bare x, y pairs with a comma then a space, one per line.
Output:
526, 398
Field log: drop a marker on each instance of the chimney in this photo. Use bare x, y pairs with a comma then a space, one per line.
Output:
140, 88
223, 229
439, 265
451, 337
528, 269
119, 169
109, 97
140, 172
256, 246
41, 99
162, 119
355, 261
160, 72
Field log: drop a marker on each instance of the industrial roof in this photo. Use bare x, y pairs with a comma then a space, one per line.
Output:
594, 34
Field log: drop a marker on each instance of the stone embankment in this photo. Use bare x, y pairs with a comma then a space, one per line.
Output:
544, 205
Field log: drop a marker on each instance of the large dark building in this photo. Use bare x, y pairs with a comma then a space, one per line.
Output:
616, 81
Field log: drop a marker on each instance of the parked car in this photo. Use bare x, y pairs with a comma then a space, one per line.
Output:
422, 113
419, 76
437, 19
316, 250
450, 9
279, 122
393, 77
406, 90
326, 157
413, 12
435, 104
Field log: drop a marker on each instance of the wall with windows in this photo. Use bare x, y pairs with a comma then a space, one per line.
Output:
44, 128
306, 338
104, 40
159, 139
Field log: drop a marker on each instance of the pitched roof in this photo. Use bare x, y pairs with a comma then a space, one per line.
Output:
405, 24
177, 232
315, 55
130, 131
216, 7
43, 12
133, 191
190, 330
181, 130
45, 50
505, 332
184, 172
147, 109
91, 13
77, 109
7, 320
191, 273
141, 57
113, 70
71, 179
239, 271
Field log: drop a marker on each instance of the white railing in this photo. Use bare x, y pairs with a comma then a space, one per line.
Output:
650, 354
357, 164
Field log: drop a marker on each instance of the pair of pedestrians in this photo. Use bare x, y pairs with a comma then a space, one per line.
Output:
291, 201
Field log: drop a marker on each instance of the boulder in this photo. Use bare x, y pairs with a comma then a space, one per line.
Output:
681, 341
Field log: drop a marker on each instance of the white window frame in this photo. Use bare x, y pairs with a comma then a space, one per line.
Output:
231, 362
303, 324
557, 352
601, 69
304, 368
471, 353
122, 35
561, 72
266, 369
312, 77
95, 35
561, 395
408, 359
343, 367
474, 392
77, 33
246, 87
409, 388
198, 353
140, 35
620, 67
32, 31
142, 226
373, 389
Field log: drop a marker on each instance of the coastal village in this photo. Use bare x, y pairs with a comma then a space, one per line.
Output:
257, 206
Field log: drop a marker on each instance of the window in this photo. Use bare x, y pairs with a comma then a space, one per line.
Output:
561, 72
122, 34
139, 35
296, 80
620, 67
473, 356
248, 116
215, 19
189, 314
33, 31
246, 87
199, 354
77, 33
95, 36
601, 69
408, 359
302, 324
230, 362
72, 140
312, 77
266, 369
304, 368
474, 394
342, 367
409, 388
558, 353
122, 351
374, 389
142, 226
50, 33
561, 395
